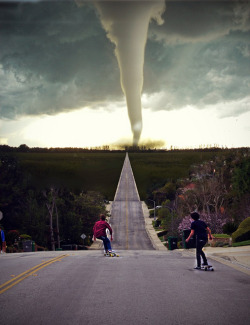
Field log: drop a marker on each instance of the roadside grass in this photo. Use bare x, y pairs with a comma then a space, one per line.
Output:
221, 244
221, 236
242, 243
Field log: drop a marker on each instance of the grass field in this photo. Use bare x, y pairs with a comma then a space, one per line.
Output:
77, 171
101, 171
152, 170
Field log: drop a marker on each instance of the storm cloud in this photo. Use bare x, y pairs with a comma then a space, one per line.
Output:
55, 57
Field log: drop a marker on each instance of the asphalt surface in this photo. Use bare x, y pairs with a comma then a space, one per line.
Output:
141, 287
127, 219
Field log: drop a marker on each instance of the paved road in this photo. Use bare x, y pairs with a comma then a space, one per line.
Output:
142, 287
127, 218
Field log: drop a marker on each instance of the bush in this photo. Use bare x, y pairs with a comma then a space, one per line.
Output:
151, 213
12, 236
229, 228
25, 237
243, 232
215, 222
180, 244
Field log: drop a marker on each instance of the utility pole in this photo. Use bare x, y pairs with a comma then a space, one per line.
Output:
50, 209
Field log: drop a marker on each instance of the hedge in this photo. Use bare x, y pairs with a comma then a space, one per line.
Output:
243, 231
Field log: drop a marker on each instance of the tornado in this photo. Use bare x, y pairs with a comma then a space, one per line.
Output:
126, 24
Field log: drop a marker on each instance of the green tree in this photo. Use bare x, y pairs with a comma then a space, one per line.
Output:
34, 217
87, 207
69, 222
241, 178
168, 192
12, 190
238, 199
77, 214
23, 148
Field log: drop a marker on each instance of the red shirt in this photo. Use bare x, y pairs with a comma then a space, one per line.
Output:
100, 228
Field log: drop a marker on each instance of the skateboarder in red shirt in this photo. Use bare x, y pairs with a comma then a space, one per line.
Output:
99, 232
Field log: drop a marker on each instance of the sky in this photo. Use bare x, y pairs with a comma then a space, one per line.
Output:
63, 83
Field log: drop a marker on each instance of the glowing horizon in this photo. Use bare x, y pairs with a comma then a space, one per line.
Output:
61, 87
75, 129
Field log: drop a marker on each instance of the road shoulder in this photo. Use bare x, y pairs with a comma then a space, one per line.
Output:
156, 242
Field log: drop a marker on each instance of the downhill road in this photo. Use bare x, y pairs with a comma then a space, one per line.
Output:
142, 287
127, 218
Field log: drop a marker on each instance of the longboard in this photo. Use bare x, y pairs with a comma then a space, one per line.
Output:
111, 254
206, 268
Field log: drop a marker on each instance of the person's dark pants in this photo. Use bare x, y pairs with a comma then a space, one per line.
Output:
106, 243
199, 252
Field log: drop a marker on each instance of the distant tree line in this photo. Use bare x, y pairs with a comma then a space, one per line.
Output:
107, 148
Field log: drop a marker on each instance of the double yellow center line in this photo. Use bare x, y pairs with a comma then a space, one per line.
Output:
11, 283
126, 209
126, 204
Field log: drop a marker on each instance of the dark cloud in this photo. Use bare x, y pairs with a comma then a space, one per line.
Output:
195, 21
55, 57
202, 57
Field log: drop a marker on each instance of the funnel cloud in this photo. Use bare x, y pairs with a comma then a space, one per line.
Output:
126, 24
57, 63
